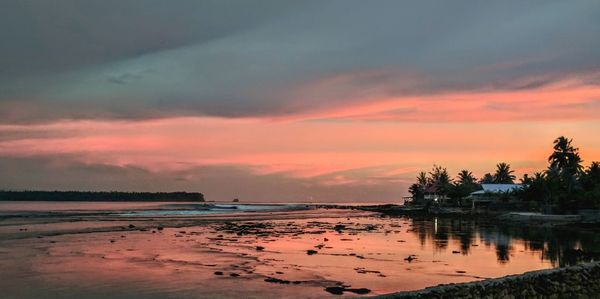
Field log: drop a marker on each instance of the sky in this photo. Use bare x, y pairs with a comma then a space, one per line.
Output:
290, 101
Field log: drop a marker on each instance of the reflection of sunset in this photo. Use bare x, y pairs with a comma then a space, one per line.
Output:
358, 250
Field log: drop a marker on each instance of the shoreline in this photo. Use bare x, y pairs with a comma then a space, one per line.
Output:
506, 216
579, 281
258, 243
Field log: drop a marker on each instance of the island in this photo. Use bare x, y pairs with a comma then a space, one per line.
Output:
99, 196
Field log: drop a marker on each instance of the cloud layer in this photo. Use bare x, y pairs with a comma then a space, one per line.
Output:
282, 101
132, 60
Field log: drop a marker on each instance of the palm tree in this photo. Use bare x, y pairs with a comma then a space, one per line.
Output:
487, 178
417, 191
526, 180
422, 179
439, 177
466, 178
593, 171
566, 161
504, 175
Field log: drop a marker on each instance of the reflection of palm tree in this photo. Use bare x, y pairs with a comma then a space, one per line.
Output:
562, 247
504, 175
466, 235
503, 253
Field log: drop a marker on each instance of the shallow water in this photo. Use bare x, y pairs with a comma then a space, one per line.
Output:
100, 255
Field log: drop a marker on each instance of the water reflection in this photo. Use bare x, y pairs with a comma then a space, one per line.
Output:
560, 246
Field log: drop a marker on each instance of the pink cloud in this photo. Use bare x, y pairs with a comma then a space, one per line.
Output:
378, 141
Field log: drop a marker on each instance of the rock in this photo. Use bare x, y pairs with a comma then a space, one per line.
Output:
410, 258
131, 226
360, 291
335, 290
311, 252
277, 280
234, 274
339, 227
218, 273
259, 248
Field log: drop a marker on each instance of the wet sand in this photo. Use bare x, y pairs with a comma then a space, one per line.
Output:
311, 253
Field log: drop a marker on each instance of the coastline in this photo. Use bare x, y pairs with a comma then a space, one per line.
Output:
590, 220
251, 249
579, 281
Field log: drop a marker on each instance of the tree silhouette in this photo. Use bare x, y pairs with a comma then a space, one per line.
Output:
590, 183
565, 160
439, 177
417, 191
503, 175
422, 179
466, 177
487, 178
465, 184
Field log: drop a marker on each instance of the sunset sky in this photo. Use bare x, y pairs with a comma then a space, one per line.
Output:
290, 100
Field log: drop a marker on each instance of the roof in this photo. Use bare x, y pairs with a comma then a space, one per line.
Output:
497, 188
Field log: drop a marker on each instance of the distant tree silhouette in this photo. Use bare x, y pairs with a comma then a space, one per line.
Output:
99, 196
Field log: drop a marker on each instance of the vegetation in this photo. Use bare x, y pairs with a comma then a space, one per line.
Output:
504, 175
98, 196
565, 186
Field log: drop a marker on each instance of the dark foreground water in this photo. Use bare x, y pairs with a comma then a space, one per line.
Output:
125, 250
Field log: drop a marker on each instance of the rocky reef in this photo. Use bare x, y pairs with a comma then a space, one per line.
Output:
580, 281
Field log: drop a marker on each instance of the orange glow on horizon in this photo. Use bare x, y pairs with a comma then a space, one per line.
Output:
366, 143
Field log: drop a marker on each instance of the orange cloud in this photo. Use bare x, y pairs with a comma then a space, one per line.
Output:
564, 100
384, 141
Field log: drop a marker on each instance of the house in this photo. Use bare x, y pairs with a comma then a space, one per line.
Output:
497, 189
491, 192
431, 193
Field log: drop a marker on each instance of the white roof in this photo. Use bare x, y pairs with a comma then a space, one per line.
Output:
497, 188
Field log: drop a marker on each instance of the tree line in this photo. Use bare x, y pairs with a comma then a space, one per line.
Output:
99, 196
565, 185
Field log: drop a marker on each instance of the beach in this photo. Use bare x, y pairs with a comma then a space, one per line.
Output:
122, 250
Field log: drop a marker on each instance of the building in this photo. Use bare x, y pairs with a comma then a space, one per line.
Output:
492, 192
432, 194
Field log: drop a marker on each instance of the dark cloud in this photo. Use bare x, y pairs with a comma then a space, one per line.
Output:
46, 37
132, 59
